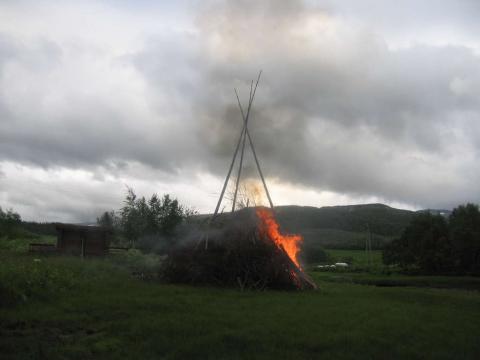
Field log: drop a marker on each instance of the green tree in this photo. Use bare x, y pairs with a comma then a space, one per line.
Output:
465, 237
130, 217
155, 220
424, 244
171, 215
9, 220
107, 220
313, 254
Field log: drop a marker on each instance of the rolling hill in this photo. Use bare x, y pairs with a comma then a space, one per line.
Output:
344, 226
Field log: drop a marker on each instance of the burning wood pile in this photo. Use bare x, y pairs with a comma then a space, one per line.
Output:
247, 251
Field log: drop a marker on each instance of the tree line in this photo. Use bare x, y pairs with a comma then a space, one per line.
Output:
151, 224
9, 220
434, 244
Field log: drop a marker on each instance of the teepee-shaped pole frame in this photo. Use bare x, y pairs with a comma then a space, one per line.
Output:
241, 141
247, 133
240, 166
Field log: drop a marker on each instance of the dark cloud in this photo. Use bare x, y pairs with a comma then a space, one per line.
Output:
340, 106
379, 104
82, 126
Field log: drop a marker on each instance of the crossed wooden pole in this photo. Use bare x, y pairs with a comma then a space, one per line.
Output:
241, 141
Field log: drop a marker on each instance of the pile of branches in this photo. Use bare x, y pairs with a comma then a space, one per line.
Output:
236, 255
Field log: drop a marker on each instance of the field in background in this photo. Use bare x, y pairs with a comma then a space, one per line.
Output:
357, 258
342, 239
20, 244
63, 307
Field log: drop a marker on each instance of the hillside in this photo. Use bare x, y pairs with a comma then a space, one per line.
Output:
330, 226
382, 219
344, 226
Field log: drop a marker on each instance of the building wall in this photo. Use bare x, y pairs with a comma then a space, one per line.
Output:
95, 244
69, 241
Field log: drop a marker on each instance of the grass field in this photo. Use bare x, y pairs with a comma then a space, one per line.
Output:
21, 244
358, 258
398, 280
66, 308
342, 239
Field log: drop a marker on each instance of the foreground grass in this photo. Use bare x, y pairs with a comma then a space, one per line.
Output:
399, 280
103, 312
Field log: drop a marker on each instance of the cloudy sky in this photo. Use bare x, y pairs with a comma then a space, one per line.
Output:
359, 101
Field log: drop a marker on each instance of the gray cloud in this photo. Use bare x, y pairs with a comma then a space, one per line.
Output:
82, 126
340, 106
380, 105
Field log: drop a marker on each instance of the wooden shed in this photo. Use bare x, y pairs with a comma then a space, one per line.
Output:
83, 240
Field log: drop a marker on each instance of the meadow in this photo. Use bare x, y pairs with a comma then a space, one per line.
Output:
357, 258
59, 307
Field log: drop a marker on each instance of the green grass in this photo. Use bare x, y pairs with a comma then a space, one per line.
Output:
357, 258
74, 309
342, 239
398, 280
20, 243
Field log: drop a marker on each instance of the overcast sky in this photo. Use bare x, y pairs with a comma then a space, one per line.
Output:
359, 101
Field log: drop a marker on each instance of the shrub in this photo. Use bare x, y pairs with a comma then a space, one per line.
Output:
430, 244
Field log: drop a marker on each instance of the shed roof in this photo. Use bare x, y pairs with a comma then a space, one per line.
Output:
83, 228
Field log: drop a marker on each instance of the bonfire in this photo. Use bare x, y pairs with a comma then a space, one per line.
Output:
245, 250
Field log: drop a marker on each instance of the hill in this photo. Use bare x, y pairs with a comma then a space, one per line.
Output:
382, 219
344, 226
341, 227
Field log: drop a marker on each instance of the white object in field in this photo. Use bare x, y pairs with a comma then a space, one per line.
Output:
341, 264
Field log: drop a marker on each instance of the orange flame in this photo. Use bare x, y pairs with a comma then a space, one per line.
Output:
269, 226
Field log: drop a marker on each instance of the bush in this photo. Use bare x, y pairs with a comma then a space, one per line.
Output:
9, 222
148, 224
28, 278
139, 264
432, 245
312, 254
465, 238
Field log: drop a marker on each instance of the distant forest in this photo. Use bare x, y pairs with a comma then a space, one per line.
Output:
430, 241
433, 244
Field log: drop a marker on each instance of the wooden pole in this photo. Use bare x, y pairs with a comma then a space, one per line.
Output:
239, 172
228, 174
244, 129
368, 245
255, 153
236, 149
259, 169
83, 245
370, 260
243, 149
